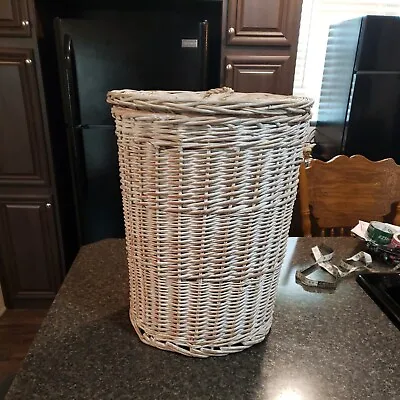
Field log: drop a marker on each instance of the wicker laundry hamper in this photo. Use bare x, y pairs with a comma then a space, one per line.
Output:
208, 182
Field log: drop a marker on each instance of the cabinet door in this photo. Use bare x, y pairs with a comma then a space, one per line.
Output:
14, 18
22, 146
252, 73
29, 257
263, 22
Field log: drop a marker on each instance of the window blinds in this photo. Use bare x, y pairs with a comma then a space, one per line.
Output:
317, 16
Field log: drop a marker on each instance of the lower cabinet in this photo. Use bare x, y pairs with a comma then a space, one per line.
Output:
29, 263
259, 73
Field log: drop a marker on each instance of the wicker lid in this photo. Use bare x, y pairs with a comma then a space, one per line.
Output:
215, 101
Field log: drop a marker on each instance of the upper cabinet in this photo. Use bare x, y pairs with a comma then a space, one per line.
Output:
14, 18
260, 46
263, 22
22, 146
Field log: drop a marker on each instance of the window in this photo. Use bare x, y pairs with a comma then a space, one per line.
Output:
317, 16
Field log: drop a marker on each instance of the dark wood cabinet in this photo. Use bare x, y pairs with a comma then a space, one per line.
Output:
31, 257
263, 22
29, 254
14, 18
255, 73
22, 146
260, 45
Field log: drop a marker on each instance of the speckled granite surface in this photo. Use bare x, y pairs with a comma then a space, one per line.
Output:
322, 346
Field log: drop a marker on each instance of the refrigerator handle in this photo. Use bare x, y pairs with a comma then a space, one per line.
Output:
74, 128
69, 80
204, 53
74, 125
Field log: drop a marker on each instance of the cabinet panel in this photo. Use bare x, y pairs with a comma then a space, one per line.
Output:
251, 73
22, 147
14, 18
29, 259
263, 22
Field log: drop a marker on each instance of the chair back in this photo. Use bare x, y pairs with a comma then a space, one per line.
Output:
338, 193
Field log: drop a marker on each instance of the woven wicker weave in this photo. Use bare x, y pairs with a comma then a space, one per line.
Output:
208, 183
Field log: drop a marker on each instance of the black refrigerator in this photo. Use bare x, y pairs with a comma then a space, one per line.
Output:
359, 112
144, 51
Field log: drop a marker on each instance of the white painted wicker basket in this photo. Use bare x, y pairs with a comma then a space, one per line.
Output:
208, 181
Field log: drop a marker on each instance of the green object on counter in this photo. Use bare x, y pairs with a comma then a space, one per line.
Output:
380, 233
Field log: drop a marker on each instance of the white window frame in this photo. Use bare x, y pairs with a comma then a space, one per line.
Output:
317, 16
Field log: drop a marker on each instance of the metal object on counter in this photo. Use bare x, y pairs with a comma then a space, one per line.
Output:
389, 253
395, 243
357, 263
323, 256
302, 278
380, 233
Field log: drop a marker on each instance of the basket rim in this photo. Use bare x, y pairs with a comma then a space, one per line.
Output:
220, 96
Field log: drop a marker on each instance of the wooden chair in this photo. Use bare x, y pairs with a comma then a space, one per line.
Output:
335, 195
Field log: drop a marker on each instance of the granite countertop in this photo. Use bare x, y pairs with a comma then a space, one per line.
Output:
322, 345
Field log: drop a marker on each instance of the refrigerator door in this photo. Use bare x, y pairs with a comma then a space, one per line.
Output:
338, 74
147, 52
101, 206
378, 47
164, 52
373, 128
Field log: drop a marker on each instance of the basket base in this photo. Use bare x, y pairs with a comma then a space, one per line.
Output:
191, 350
